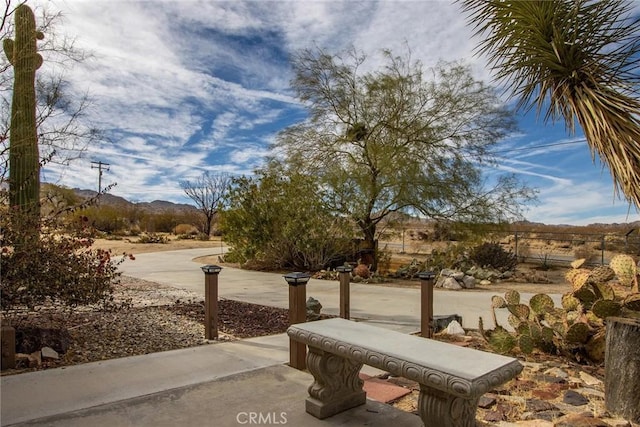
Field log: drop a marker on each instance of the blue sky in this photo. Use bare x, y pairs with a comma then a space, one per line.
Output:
182, 87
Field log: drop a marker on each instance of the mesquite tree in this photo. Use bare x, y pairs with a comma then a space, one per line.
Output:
399, 138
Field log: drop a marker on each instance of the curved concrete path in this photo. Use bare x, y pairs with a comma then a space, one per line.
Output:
399, 308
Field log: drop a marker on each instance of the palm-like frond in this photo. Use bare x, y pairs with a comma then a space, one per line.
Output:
579, 60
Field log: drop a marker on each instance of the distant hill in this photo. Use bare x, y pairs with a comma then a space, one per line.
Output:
157, 206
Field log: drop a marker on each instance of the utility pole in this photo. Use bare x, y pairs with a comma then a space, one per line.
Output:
100, 166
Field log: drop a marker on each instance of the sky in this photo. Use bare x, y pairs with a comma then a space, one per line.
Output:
182, 87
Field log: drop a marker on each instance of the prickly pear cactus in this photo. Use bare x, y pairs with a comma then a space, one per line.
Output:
24, 166
625, 269
576, 328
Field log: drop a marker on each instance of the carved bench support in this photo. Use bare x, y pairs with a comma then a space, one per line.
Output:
337, 386
437, 408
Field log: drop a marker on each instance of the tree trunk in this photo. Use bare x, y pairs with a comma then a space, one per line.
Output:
622, 368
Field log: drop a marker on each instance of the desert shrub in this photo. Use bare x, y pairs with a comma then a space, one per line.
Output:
53, 267
152, 238
202, 236
492, 254
453, 256
185, 229
585, 252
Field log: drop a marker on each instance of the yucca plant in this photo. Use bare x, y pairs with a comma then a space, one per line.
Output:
578, 60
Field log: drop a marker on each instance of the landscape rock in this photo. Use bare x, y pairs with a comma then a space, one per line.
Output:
458, 275
49, 354
589, 379
556, 372
313, 309
485, 282
574, 398
469, 282
486, 401
451, 283
35, 359
454, 328
580, 420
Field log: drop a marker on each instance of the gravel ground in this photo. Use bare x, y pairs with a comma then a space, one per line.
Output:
153, 318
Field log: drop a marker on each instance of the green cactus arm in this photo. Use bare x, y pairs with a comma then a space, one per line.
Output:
8, 46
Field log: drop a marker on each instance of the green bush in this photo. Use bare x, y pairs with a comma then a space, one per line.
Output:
492, 254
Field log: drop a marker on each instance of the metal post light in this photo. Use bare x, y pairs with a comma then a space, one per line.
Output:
344, 273
211, 301
426, 303
297, 314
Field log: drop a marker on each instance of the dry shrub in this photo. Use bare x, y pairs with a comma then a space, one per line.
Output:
185, 229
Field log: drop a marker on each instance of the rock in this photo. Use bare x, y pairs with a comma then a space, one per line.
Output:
506, 275
35, 359
579, 420
441, 321
451, 283
589, 379
590, 392
440, 281
486, 402
447, 272
574, 398
485, 282
556, 372
313, 309
537, 405
494, 416
49, 354
469, 282
550, 415
458, 275
454, 328
617, 422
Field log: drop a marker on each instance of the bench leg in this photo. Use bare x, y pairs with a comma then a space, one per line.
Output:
337, 386
441, 409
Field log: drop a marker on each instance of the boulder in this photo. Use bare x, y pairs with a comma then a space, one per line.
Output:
485, 282
454, 328
49, 354
451, 283
469, 282
313, 309
458, 275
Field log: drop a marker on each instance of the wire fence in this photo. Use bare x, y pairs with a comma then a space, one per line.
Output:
559, 248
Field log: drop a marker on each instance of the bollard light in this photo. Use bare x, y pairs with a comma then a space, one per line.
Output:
211, 269
297, 314
211, 301
297, 278
345, 279
426, 303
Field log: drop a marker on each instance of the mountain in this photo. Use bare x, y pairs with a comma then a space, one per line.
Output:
157, 206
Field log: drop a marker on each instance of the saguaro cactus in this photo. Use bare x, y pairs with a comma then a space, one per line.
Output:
24, 160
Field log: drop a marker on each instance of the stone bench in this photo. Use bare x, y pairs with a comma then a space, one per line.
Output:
451, 378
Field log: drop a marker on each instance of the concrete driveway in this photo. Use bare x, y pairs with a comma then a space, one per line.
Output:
374, 303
